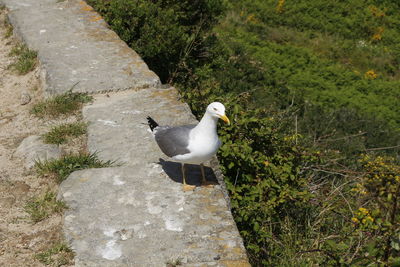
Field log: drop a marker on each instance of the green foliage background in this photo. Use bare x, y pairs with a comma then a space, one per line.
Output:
310, 86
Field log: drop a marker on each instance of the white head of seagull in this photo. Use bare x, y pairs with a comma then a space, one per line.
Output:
217, 109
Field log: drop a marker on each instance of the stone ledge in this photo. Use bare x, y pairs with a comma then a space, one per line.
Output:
138, 216
75, 46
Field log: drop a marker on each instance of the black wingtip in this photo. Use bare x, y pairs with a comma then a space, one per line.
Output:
152, 123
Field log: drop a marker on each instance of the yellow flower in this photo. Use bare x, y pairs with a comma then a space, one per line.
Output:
377, 37
279, 7
376, 12
250, 18
363, 211
378, 34
355, 220
371, 75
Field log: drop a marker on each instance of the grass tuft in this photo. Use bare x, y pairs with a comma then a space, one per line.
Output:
58, 255
9, 32
61, 168
59, 134
67, 103
9, 29
41, 207
173, 263
26, 59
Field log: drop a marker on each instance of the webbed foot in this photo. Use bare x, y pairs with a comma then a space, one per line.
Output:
187, 187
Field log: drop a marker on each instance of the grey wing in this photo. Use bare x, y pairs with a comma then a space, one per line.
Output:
174, 140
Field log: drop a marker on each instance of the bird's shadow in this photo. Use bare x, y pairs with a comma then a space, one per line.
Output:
193, 172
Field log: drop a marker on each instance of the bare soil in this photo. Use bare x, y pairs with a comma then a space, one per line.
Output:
20, 238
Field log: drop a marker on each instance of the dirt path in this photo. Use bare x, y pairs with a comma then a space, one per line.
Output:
20, 239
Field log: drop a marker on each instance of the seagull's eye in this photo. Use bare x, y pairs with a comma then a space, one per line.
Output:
215, 109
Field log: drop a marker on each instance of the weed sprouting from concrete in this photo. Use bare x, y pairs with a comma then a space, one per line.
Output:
61, 168
60, 133
9, 29
26, 59
174, 263
9, 32
65, 104
41, 207
57, 255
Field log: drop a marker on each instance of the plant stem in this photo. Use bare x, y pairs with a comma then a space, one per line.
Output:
392, 221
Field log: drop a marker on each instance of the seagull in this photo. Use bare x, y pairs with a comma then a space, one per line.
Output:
191, 144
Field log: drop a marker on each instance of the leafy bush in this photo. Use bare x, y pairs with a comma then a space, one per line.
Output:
265, 179
378, 220
169, 35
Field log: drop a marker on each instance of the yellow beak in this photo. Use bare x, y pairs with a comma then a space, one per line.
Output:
225, 119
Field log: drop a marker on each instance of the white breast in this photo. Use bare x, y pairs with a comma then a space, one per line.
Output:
201, 146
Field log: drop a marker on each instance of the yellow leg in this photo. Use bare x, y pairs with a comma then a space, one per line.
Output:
186, 187
183, 173
204, 181
203, 176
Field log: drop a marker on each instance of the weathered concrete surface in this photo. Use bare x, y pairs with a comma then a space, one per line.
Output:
33, 149
138, 216
75, 46
144, 199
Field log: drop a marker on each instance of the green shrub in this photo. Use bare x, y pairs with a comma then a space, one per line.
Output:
169, 35
377, 221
